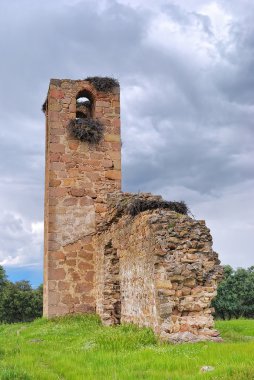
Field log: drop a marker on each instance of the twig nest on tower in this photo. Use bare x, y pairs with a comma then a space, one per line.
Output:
104, 84
86, 129
138, 205
44, 106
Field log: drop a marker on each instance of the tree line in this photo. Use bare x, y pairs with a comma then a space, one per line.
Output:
235, 294
19, 302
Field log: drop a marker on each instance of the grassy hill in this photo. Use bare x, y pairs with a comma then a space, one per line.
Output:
77, 348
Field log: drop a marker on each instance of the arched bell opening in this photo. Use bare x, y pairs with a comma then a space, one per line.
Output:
84, 105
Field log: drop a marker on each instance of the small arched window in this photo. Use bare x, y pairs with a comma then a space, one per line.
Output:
84, 105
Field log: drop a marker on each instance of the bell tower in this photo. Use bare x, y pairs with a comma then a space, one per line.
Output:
83, 165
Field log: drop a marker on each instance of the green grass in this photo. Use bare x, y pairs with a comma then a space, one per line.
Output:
77, 348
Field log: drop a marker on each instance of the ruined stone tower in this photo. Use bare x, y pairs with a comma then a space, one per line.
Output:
131, 258
78, 178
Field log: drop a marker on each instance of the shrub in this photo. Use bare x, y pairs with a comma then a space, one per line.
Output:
104, 84
20, 303
235, 295
86, 129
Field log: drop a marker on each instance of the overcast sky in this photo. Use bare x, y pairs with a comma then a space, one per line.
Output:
187, 95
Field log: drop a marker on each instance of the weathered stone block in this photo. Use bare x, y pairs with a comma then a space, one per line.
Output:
110, 137
113, 174
56, 93
56, 274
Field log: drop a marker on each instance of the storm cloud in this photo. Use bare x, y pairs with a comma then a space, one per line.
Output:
187, 92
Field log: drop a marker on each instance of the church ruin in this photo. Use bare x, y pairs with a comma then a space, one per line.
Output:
155, 267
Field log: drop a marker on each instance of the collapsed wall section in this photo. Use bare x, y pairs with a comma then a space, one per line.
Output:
168, 271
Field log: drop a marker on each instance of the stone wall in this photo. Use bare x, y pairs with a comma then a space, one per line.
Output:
78, 178
166, 273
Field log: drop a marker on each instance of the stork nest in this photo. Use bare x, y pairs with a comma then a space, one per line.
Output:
104, 84
138, 205
87, 129
44, 106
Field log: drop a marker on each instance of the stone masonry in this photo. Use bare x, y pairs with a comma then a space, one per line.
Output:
163, 272
78, 178
156, 269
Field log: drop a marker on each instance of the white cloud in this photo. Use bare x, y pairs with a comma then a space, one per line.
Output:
220, 18
37, 228
21, 241
230, 218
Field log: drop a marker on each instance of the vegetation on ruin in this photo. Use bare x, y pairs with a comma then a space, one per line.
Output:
86, 129
77, 348
104, 84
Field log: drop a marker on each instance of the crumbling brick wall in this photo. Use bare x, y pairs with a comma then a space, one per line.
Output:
166, 273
